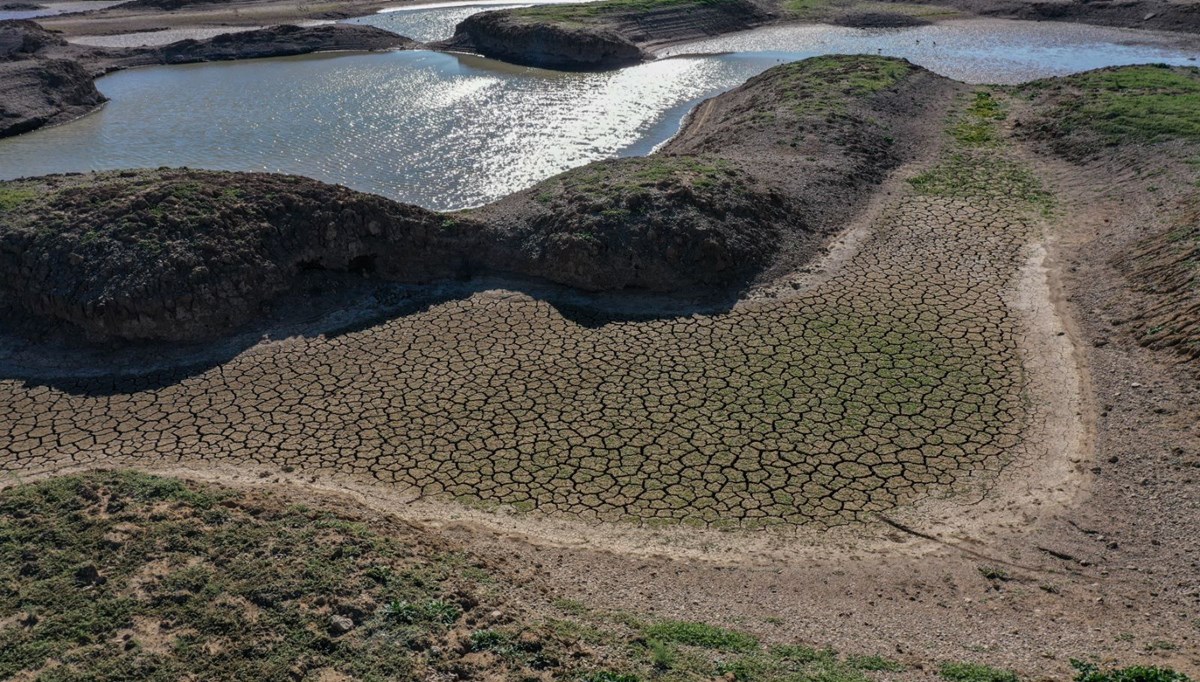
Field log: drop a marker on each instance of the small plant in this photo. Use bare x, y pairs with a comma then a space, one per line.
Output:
429, 611
994, 573
976, 672
701, 635
1089, 672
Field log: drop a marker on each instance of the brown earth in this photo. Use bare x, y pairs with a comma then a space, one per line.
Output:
1157, 15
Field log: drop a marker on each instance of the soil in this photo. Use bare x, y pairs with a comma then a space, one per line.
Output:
1158, 15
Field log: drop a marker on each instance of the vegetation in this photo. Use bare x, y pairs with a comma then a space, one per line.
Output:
975, 672
12, 197
1123, 104
827, 84
1088, 672
977, 126
121, 575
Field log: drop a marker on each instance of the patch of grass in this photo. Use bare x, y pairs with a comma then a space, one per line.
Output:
976, 127
983, 176
1130, 103
1088, 672
700, 635
975, 672
826, 84
12, 197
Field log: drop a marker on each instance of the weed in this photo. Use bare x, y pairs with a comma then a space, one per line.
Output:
701, 635
1088, 672
975, 672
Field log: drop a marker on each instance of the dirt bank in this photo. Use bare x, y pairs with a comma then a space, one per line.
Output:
604, 35
47, 80
1158, 15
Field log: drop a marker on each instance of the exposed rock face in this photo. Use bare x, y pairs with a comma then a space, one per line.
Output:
499, 35
39, 92
601, 36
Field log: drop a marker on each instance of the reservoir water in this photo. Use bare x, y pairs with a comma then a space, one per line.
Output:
448, 131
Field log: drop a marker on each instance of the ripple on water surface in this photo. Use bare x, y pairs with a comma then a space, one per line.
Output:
449, 131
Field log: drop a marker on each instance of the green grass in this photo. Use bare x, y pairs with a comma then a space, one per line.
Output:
977, 126
12, 197
1088, 672
1132, 103
701, 635
975, 672
827, 84
121, 575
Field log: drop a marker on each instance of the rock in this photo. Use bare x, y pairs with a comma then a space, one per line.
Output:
40, 92
340, 625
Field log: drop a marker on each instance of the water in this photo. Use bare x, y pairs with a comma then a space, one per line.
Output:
427, 23
449, 131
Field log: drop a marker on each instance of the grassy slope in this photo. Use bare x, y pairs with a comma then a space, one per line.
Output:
119, 575
1092, 113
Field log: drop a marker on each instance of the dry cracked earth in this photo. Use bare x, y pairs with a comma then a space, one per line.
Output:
893, 377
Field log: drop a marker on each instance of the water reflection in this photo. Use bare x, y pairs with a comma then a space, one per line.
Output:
448, 131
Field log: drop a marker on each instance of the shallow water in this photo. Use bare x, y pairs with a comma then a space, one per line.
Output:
431, 22
449, 131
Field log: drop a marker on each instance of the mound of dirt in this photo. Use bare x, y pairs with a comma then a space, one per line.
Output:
601, 35
752, 185
281, 41
823, 131
662, 223
1160, 15
182, 254
40, 92
24, 40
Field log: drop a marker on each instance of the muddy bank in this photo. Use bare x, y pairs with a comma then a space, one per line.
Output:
47, 80
753, 185
1158, 15
602, 35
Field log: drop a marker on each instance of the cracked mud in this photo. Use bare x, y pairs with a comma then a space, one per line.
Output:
895, 379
